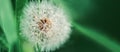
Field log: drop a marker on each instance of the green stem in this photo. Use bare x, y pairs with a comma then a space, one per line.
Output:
98, 37
26, 47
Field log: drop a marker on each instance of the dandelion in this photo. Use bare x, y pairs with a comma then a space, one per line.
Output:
44, 24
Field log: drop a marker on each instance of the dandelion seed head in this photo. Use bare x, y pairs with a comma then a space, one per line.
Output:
45, 24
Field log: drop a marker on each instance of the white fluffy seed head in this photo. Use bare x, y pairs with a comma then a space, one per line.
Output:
45, 24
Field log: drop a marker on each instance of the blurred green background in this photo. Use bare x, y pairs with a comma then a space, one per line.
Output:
96, 25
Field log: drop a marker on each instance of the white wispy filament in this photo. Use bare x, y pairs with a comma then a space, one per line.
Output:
45, 24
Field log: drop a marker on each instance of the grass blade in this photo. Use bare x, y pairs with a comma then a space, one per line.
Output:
8, 23
96, 36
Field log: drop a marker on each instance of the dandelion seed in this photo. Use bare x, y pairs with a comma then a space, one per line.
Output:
45, 24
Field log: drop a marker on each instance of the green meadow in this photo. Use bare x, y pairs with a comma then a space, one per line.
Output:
95, 26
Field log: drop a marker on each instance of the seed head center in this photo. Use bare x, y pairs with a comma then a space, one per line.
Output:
44, 24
